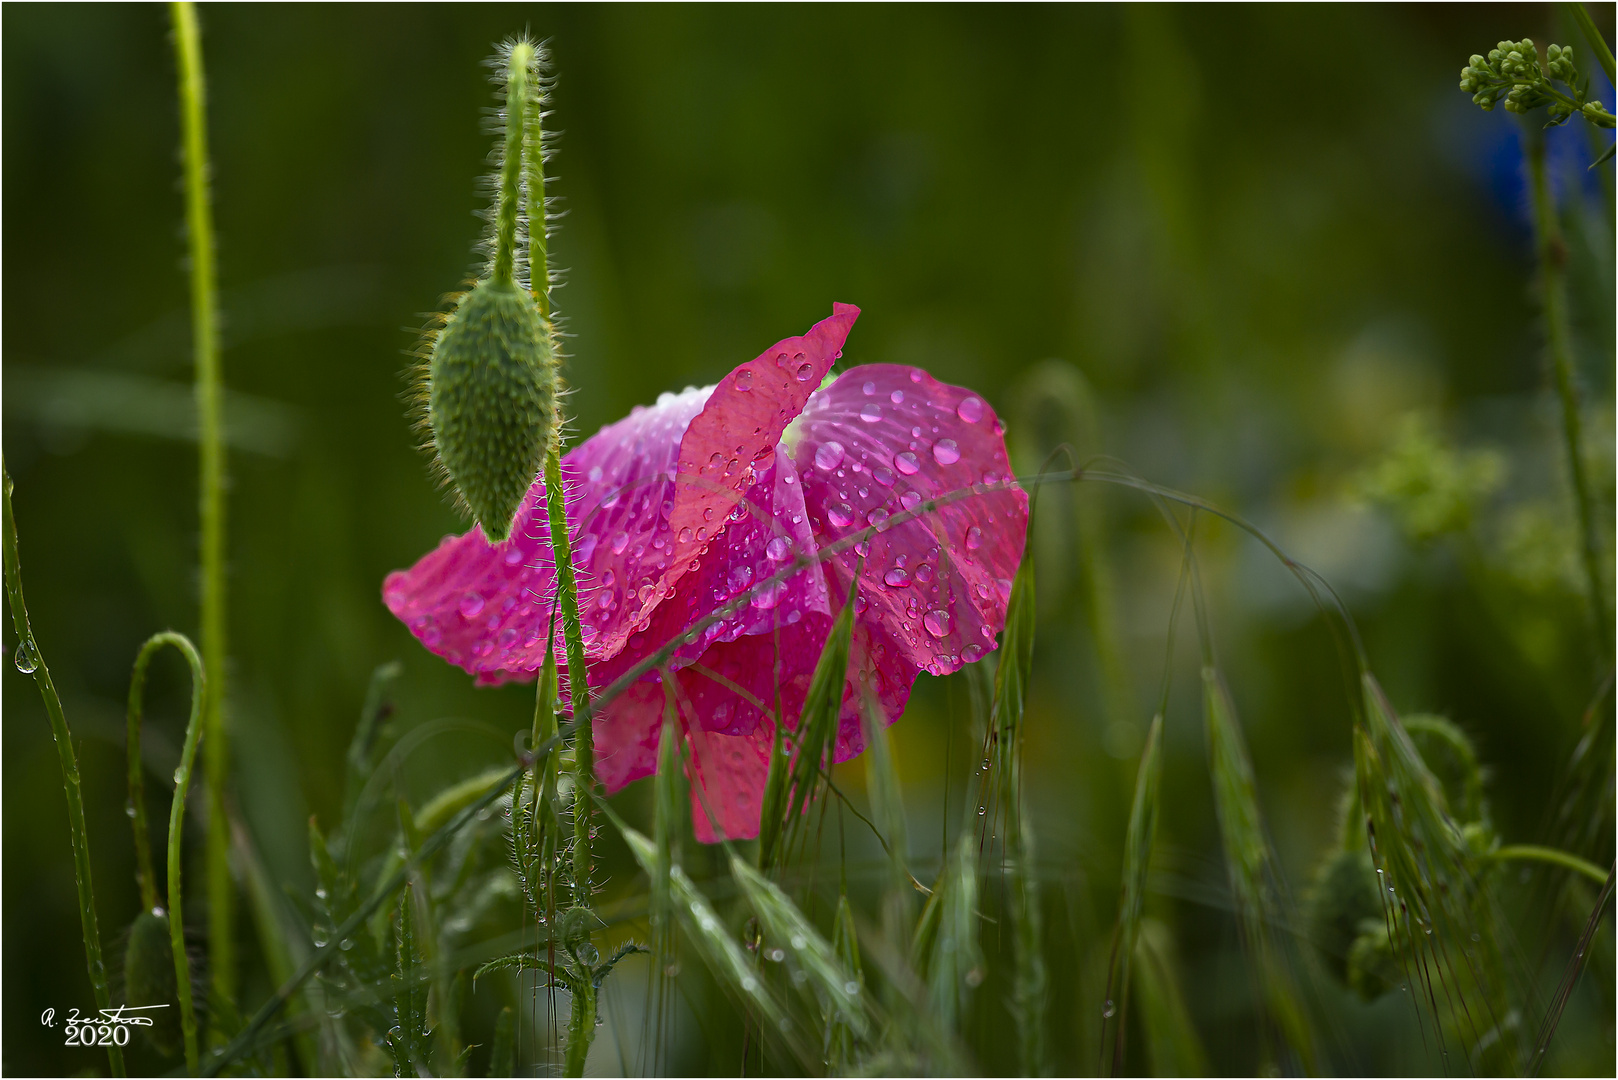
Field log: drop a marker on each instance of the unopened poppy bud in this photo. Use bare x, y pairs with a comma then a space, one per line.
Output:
491, 373
149, 979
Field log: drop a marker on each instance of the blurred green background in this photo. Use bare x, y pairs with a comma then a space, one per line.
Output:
1277, 242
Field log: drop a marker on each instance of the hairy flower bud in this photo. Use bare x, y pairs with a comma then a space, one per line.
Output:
149, 978
492, 400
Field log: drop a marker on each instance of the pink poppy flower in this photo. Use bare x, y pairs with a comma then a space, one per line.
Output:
683, 507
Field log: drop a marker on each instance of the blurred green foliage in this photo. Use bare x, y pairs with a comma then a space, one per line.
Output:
1258, 275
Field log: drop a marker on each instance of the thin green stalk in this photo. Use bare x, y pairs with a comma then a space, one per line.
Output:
1592, 36
30, 661
1558, 339
1536, 853
137, 800
211, 450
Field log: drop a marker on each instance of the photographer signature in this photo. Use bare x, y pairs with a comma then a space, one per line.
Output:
109, 1027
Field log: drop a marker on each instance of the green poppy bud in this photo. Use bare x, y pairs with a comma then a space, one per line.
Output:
149, 979
492, 400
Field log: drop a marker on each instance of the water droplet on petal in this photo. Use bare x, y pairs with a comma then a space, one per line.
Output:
744, 380
778, 549
871, 413
924, 573
685, 535
974, 538
883, 476
805, 371
828, 455
936, 622
970, 409
620, 542
897, 578
513, 555
878, 517
769, 595
869, 389
945, 452
906, 463
971, 652
909, 499
897, 397
470, 605
840, 514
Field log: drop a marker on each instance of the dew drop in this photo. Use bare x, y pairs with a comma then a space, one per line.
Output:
906, 463
685, 535
620, 542
27, 658
936, 622
869, 389
897, 397
945, 452
872, 413
897, 578
769, 595
909, 499
878, 517
974, 538
883, 475
744, 380
471, 604
1108, 1009
778, 549
805, 371
971, 653
970, 409
513, 555
863, 548
840, 514
828, 455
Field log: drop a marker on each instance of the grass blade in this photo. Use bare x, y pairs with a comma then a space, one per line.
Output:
1172, 1046
1011, 680
1137, 860
1250, 864
794, 784
30, 660
835, 990
945, 950
888, 813
408, 1038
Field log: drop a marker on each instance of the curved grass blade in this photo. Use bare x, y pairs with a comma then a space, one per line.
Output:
182, 784
408, 1038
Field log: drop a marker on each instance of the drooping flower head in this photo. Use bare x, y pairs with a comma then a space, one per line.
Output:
683, 507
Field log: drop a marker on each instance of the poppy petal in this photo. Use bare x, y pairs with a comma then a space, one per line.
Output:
880, 441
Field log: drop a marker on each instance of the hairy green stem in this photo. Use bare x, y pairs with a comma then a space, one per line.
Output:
1558, 335
211, 450
539, 269
1592, 36
503, 268
28, 654
137, 801
581, 1026
1554, 856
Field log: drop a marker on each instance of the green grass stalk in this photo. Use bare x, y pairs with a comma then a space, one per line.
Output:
211, 450
31, 661
1592, 36
1138, 843
182, 785
1553, 256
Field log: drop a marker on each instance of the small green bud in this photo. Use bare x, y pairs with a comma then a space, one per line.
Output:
573, 927
149, 979
492, 400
